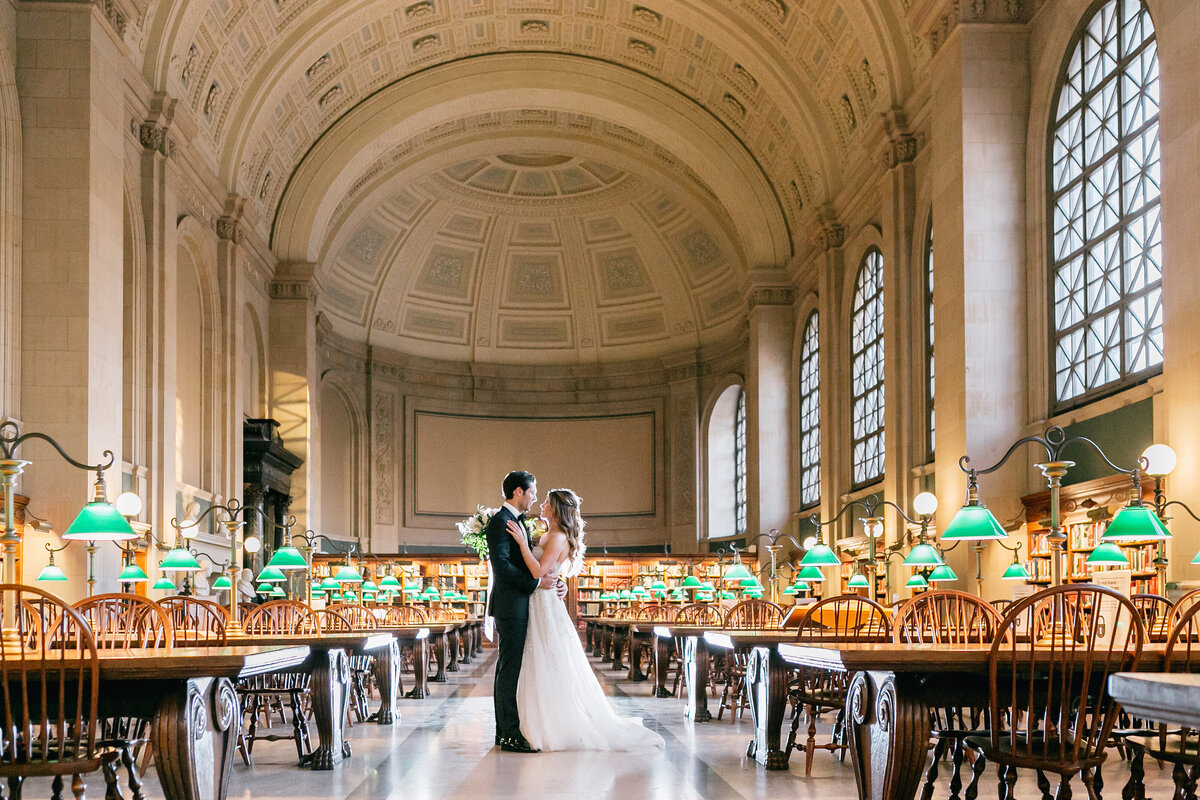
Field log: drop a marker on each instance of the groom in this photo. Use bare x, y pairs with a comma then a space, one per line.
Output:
512, 584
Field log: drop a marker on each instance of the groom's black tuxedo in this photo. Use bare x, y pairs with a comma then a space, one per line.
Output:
512, 583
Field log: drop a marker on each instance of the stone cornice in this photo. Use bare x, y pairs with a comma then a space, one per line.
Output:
935, 20
903, 145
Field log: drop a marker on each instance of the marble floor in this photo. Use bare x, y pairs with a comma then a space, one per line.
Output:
442, 748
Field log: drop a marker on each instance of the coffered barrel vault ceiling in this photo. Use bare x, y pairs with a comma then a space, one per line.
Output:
586, 178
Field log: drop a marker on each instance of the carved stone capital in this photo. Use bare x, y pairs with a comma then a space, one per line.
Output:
229, 230
113, 14
829, 236
770, 296
294, 290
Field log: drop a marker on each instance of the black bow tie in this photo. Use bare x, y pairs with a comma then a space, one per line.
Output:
521, 518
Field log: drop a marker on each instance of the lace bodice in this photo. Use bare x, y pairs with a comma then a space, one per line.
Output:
537, 553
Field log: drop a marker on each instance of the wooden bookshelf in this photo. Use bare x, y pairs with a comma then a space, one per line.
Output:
1086, 509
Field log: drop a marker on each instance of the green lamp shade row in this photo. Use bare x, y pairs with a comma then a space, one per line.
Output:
1016, 572
1107, 554
737, 572
923, 555
133, 574
917, 581
811, 574
943, 573
99, 521
974, 522
821, 555
1136, 522
859, 581
287, 558
180, 560
221, 582
348, 574
164, 583
51, 573
271, 574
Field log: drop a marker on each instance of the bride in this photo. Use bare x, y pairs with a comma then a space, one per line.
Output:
561, 704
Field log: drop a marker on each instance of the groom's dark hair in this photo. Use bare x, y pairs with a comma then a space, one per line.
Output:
517, 479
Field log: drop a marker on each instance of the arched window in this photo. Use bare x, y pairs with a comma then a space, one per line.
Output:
1105, 239
739, 465
866, 370
810, 414
931, 439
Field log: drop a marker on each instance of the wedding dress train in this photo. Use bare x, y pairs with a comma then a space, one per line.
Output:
561, 704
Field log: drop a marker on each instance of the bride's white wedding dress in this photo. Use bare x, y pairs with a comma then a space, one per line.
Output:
560, 701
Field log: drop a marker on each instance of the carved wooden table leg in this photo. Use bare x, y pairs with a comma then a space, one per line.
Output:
766, 681
420, 661
587, 636
663, 647
195, 735
606, 642
618, 648
637, 645
439, 654
387, 675
452, 651
330, 694
695, 675
465, 650
887, 723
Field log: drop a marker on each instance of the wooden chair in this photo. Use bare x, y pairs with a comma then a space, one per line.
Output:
278, 618
403, 615
1156, 615
120, 621
359, 618
1180, 746
845, 618
948, 617
1049, 708
196, 622
699, 614
746, 615
1181, 607
57, 658
1001, 605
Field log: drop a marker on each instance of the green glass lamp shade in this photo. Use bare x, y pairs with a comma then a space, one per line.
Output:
180, 560
1135, 522
51, 573
100, 521
641, 591
348, 574
412, 592
859, 581
1016, 572
164, 583
943, 573
658, 586
821, 555
626, 594
736, 572
751, 583
277, 592
1107, 554
413, 586
606, 596
369, 586
369, 597
727, 596
754, 593
264, 588
331, 585
799, 586
221, 582
811, 574
389, 582
789, 590
271, 574
1196, 558
351, 597
287, 558
133, 574
691, 582
917, 581
974, 521
336, 597
923, 555
704, 597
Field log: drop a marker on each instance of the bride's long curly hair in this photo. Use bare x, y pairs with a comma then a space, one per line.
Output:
565, 505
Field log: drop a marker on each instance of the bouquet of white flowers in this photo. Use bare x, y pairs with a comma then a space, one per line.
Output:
471, 531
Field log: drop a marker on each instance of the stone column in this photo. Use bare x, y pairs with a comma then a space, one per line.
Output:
294, 382
768, 407
683, 490
831, 278
980, 80
1177, 23
10, 220
228, 383
71, 82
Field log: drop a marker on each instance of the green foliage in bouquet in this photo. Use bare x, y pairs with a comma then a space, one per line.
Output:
471, 531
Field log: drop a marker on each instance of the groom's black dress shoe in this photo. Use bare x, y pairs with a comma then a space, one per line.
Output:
516, 744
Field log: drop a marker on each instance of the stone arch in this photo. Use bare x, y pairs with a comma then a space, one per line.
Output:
254, 373
712, 471
350, 464
196, 251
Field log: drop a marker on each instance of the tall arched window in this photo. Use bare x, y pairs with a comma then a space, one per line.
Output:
810, 414
930, 420
866, 370
1105, 238
739, 465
